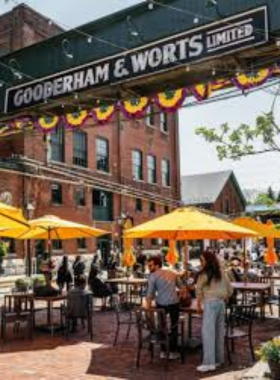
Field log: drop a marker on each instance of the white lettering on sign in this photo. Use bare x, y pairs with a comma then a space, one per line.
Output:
230, 34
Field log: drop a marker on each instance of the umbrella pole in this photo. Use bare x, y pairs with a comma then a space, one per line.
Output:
186, 254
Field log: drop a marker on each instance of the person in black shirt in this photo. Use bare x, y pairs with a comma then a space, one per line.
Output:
78, 268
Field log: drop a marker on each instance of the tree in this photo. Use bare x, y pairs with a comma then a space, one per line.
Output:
278, 197
271, 194
264, 199
245, 140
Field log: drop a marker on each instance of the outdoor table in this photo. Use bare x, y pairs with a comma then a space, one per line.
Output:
50, 302
254, 287
191, 311
127, 282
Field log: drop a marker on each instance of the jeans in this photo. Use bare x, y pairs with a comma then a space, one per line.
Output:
213, 332
173, 311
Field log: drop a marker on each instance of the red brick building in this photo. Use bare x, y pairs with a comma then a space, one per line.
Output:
218, 192
98, 175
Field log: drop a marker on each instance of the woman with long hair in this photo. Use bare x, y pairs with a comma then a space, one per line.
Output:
213, 290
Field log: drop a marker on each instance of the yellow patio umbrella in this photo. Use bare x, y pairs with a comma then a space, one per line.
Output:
128, 259
12, 217
172, 255
51, 227
188, 223
264, 230
270, 257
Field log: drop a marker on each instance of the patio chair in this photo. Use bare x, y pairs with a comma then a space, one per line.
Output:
125, 315
152, 327
17, 308
239, 322
75, 310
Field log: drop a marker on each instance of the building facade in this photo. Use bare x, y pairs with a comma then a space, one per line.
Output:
218, 192
97, 175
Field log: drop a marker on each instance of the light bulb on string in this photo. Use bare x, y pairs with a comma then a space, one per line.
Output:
89, 40
213, 71
188, 68
150, 5
196, 20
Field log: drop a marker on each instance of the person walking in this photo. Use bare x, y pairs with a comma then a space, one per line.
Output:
162, 287
213, 290
64, 275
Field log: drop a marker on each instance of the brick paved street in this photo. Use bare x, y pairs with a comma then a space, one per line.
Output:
47, 358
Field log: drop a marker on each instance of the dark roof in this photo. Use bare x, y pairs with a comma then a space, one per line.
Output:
205, 188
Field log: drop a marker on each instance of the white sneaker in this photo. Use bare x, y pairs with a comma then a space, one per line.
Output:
163, 355
206, 368
174, 355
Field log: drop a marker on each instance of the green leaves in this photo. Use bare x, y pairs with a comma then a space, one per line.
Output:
244, 140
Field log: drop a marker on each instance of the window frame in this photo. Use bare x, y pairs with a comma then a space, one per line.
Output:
137, 203
82, 138
99, 156
152, 170
57, 145
150, 116
164, 121
165, 175
77, 203
136, 167
53, 201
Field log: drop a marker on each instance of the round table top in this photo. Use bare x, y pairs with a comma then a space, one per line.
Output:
127, 281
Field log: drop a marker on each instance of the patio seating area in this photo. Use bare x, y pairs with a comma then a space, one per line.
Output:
76, 356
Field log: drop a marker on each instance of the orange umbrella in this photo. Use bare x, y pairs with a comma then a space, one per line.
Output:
270, 257
172, 255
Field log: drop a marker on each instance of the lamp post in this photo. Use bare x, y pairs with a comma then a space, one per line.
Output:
29, 212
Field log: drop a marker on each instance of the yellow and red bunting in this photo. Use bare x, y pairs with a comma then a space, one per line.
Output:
135, 107
103, 113
76, 119
247, 81
202, 91
47, 123
219, 84
171, 100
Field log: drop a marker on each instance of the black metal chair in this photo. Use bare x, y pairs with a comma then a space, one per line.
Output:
71, 314
153, 329
239, 322
17, 308
125, 315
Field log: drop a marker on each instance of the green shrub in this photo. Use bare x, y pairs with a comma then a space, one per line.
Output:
270, 351
38, 280
22, 283
3, 249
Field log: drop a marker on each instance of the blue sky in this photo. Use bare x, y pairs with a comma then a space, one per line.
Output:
197, 156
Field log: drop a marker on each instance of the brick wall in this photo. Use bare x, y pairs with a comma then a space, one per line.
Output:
231, 196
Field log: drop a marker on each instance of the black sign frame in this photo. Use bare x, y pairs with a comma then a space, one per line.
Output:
220, 38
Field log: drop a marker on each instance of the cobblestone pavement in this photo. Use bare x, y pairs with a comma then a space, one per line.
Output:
56, 358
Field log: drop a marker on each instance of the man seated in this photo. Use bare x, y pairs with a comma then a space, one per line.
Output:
78, 302
47, 290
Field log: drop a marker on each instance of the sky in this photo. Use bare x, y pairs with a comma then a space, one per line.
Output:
197, 156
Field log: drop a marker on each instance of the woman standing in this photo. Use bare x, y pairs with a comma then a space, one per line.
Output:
213, 290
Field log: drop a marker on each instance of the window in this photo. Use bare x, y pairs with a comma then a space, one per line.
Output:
152, 207
102, 205
102, 155
165, 172
80, 148
154, 242
57, 144
150, 118
81, 243
56, 190
137, 165
80, 197
164, 127
57, 245
138, 204
226, 206
166, 209
152, 169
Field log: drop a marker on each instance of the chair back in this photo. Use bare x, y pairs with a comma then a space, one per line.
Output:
79, 305
18, 303
153, 322
241, 315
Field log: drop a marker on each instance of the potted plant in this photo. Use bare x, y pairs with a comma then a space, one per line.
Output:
22, 284
38, 281
270, 352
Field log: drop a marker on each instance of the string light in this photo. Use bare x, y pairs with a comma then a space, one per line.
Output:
150, 5
196, 20
66, 48
89, 40
188, 68
213, 71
